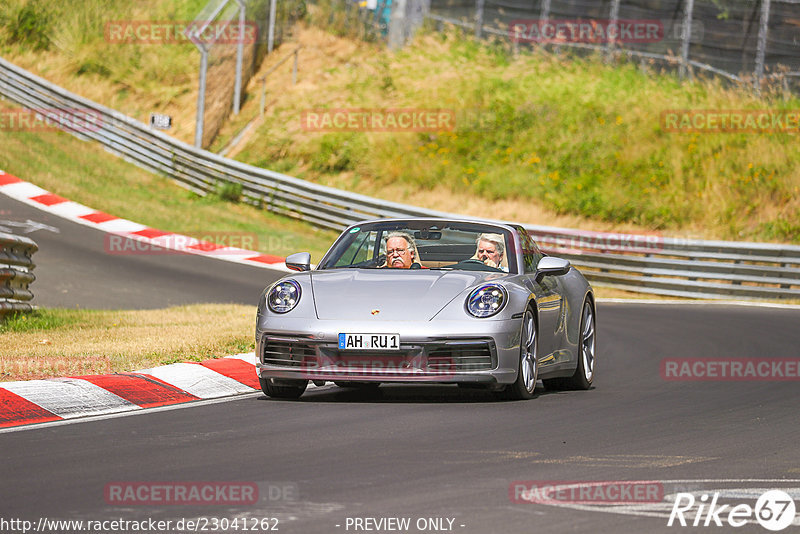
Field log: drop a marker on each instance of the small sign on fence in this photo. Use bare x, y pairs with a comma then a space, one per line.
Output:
159, 121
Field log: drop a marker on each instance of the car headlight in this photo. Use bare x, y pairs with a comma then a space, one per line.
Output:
283, 296
487, 300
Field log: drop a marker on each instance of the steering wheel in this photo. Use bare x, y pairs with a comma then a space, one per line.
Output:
371, 263
471, 264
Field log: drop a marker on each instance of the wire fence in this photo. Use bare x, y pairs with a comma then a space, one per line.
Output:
744, 41
233, 37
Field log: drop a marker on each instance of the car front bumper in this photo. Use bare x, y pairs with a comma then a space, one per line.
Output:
470, 352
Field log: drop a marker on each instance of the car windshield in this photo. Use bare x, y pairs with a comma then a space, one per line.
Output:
423, 245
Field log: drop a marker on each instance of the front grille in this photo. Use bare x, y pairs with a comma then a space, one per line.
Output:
443, 357
289, 354
468, 357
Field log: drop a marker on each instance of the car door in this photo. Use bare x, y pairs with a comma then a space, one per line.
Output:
549, 302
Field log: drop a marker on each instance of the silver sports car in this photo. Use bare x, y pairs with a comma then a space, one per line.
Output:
428, 300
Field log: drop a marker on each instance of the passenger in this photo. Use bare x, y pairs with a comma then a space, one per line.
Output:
491, 250
401, 251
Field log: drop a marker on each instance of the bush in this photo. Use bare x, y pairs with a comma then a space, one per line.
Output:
229, 191
29, 24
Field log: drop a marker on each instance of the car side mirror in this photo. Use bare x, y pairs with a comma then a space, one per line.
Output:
300, 261
551, 266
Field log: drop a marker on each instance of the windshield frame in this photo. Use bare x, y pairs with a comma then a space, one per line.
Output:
384, 226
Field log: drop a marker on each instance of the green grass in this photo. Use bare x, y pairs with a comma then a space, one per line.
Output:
572, 135
85, 173
76, 30
44, 319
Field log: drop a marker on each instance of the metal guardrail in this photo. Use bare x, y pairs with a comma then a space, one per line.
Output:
16, 265
651, 264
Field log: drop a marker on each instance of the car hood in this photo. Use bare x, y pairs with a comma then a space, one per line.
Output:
399, 295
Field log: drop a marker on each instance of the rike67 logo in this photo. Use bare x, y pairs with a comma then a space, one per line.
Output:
774, 510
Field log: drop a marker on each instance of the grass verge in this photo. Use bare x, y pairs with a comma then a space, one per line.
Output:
65, 42
85, 173
539, 138
545, 139
66, 342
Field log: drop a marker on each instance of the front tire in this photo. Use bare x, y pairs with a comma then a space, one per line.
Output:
584, 372
286, 390
528, 373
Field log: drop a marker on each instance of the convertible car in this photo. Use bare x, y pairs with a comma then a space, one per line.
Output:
428, 300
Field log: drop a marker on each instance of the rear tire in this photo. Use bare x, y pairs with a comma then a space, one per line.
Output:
284, 390
524, 386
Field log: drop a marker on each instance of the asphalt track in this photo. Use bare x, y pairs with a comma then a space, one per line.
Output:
73, 268
415, 451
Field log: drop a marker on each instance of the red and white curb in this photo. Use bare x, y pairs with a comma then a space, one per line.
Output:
39, 401
58, 399
39, 198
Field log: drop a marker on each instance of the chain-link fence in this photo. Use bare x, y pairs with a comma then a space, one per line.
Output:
233, 36
748, 41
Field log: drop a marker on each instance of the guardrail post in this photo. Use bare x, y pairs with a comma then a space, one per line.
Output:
686, 36
761, 49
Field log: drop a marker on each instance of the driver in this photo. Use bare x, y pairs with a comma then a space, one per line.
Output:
490, 250
401, 251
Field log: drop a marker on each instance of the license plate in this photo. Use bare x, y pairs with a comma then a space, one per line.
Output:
369, 341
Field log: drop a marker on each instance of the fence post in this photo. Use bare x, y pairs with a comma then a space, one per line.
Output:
544, 12
271, 35
478, 18
399, 24
237, 90
201, 97
686, 36
294, 67
761, 50
612, 21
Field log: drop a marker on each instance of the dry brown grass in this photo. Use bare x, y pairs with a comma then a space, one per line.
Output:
92, 342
